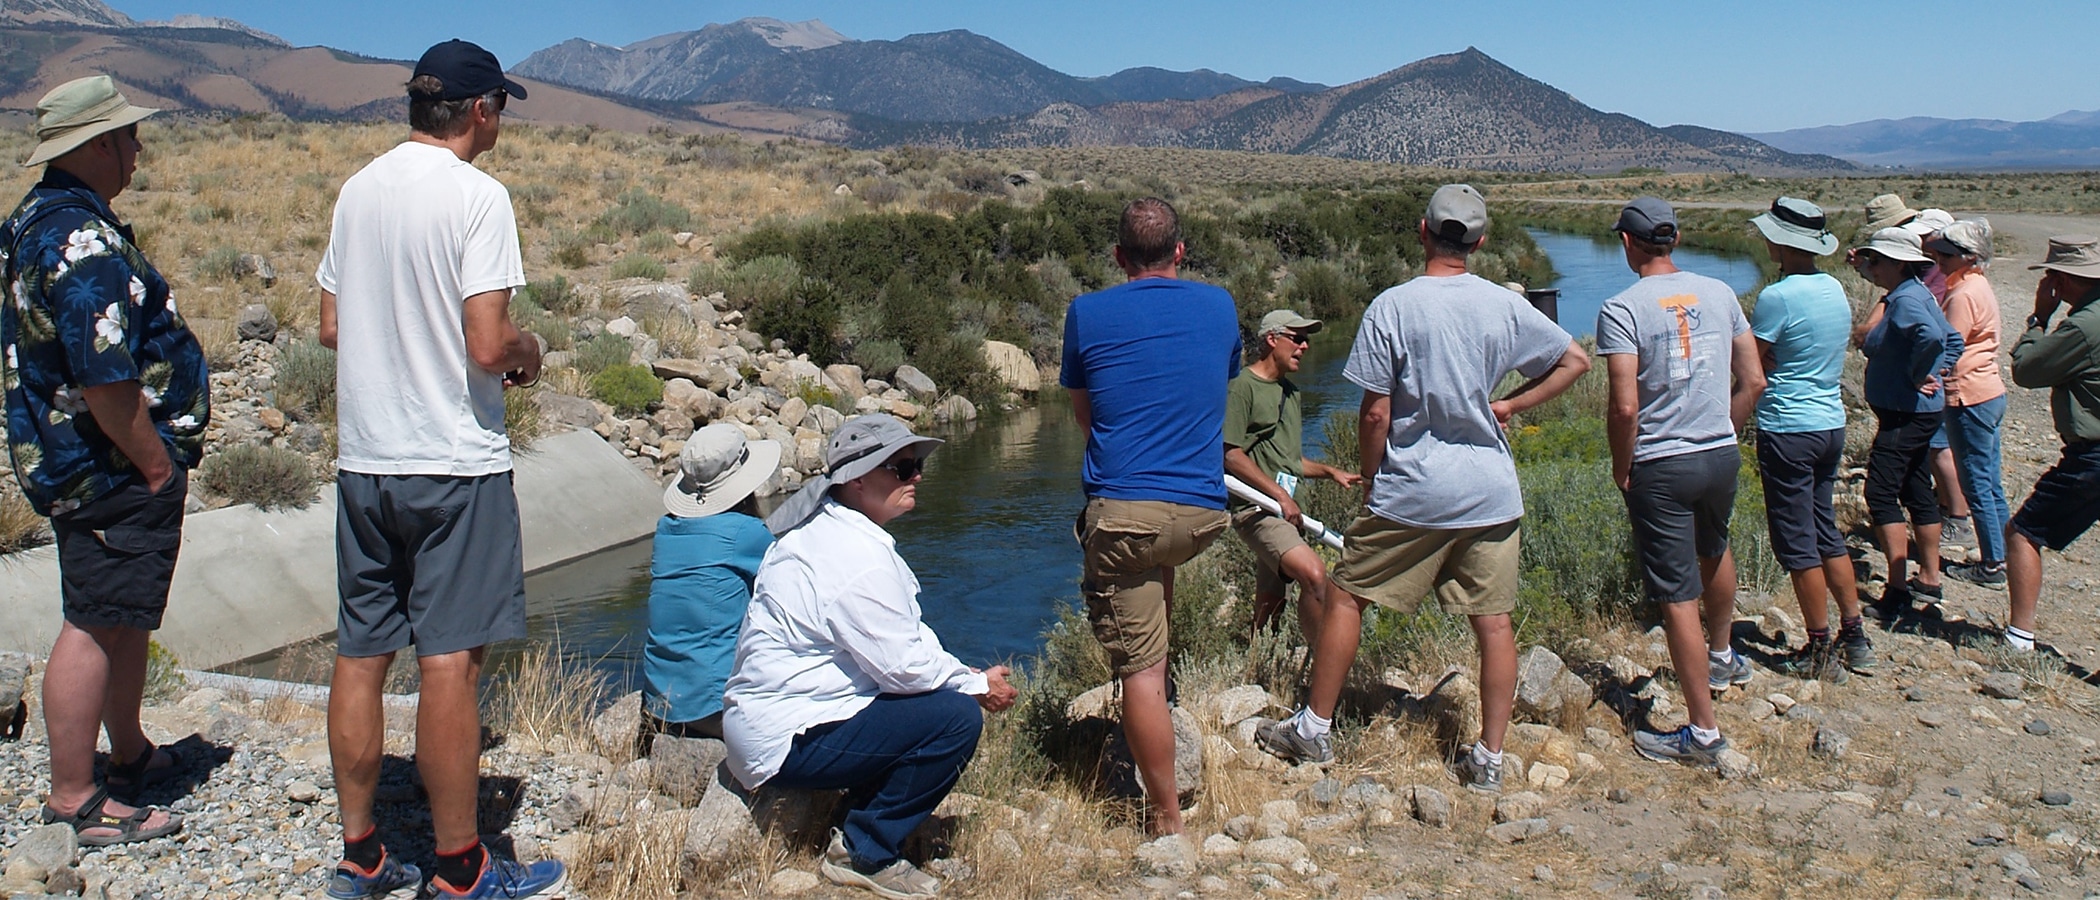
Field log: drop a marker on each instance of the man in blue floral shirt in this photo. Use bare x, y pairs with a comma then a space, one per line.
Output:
107, 397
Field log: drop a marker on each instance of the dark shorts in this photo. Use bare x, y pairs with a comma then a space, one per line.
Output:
1899, 469
1799, 474
2066, 499
1680, 507
430, 560
116, 554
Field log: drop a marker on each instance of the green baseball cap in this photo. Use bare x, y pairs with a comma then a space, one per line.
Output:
75, 112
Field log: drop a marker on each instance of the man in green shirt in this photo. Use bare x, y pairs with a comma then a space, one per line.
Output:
2067, 362
1264, 447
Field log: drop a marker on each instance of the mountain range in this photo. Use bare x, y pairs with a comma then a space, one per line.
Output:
954, 89
2067, 141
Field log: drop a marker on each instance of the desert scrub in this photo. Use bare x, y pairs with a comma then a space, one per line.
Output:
20, 526
878, 358
553, 294
627, 389
305, 381
521, 418
222, 264
638, 265
264, 476
602, 352
638, 212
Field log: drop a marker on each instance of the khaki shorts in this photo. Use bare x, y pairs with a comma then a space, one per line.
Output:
1472, 570
1270, 537
1128, 546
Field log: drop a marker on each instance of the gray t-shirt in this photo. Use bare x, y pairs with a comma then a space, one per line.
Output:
1438, 346
1681, 327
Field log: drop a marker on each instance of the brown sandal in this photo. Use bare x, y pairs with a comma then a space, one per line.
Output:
130, 829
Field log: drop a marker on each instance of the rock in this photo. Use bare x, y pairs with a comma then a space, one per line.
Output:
1546, 776
1521, 805
64, 882
623, 326
1119, 772
691, 370
915, 382
903, 409
698, 404
1171, 855
955, 408
1235, 704
1282, 851
573, 809
2003, 685
1367, 795
271, 418
790, 882
617, 727
1735, 766
2037, 728
1285, 811
1221, 845
1520, 830
1270, 826
720, 826
644, 350
14, 684
795, 376
562, 410
1619, 795
1780, 702
1542, 873
684, 766
302, 791
1429, 806
1830, 743
255, 322
672, 424
846, 382
50, 847
1325, 791
643, 300
1545, 686
1012, 366
256, 266
1101, 702
1775, 626
1454, 705
2055, 798
1241, 827
1932, 718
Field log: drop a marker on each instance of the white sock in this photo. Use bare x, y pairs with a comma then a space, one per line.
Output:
1705, 735
1720, 657
1310, 726
2018, 639
1482, 756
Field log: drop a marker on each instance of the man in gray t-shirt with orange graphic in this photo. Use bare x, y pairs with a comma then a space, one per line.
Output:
1684, 377
1443, 502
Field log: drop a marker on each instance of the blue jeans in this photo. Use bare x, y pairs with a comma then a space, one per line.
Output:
1972, 432
896, 760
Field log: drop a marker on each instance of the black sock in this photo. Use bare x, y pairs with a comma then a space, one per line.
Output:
463, 868
1819, 635
364, 852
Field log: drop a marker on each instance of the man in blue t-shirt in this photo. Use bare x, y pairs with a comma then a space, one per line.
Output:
1146, 363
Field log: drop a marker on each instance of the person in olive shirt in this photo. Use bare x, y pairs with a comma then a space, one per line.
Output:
2067, 362
1264, 447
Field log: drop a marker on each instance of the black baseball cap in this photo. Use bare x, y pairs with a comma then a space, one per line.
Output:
1649, 219
466, 70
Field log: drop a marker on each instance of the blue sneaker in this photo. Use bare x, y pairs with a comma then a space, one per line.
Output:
1679, 746
509, 880
391, 879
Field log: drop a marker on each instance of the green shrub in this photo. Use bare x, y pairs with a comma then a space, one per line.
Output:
878, 358
219, 264
637, 265
306, 380
552, 294
807, 319
707, 277
628, 389
602, 352
765, 280
572, 249
655, 242
1323, 290
637, 211
261, 475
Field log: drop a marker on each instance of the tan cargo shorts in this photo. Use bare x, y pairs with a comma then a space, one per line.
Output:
1270, 536
1129, 545
1473, 571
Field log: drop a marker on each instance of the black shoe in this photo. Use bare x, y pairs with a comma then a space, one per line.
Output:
1856, 650
1979, 574
1933, 593
1895, 602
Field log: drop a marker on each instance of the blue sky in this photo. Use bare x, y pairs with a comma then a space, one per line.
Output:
1745, 66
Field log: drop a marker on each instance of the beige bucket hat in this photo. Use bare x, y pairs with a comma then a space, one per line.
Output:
1897, 244
75, 112
2073, 254
717, 469
1887, 211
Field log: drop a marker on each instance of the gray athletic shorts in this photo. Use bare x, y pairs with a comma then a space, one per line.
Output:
429, 560
1680, 506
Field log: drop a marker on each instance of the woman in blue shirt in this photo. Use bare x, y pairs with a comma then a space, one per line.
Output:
1908, 352
707, 551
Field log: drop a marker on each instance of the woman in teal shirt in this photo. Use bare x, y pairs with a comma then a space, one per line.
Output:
707, 550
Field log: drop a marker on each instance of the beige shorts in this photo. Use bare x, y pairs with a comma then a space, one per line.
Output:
1472, 570
1129, 545
1270, 537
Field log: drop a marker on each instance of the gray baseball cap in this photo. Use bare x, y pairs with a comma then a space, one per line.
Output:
1648, 219
1287, 320
860, 445
1457, 213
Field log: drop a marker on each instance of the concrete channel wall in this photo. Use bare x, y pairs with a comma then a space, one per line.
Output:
251, 581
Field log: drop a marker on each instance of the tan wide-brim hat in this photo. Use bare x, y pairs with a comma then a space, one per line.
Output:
1887, 211
75, 112
1897, 244
2073, 254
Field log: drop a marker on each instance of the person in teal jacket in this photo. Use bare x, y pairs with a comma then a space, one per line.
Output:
708, 547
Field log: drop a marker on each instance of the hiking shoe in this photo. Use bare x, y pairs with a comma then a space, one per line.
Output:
391, 878
1858, 652
510, 880
1979, 574
1282, 740
899, 880
1894, 603
1477, 777
1719, 676
1932, 593
1679, 746
1956, 533
1818, 661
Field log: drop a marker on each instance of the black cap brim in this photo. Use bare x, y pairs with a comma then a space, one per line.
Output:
513, 88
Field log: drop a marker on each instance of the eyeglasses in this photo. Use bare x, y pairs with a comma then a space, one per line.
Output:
905, 469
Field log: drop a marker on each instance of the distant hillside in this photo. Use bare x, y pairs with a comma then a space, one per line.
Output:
2067, 141
677, 67
951, 76
1149, 83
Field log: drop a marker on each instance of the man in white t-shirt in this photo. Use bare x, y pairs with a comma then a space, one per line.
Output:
416, 286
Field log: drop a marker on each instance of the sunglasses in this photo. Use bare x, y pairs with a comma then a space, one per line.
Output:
1302, 340
498, 99
905, 469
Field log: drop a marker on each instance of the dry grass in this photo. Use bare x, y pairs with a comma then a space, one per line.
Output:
20, 526
547, 694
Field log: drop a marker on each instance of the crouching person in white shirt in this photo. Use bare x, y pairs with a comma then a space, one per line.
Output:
837, 684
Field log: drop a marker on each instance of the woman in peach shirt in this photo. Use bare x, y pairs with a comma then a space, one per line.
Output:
1976, 392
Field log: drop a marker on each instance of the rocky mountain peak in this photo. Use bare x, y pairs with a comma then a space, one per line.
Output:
62, 12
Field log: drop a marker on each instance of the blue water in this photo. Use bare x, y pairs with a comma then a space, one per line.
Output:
991, 539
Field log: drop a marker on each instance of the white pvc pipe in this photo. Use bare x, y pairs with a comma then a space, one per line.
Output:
1313, 527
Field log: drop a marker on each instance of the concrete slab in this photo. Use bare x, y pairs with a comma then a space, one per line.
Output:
252, 581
